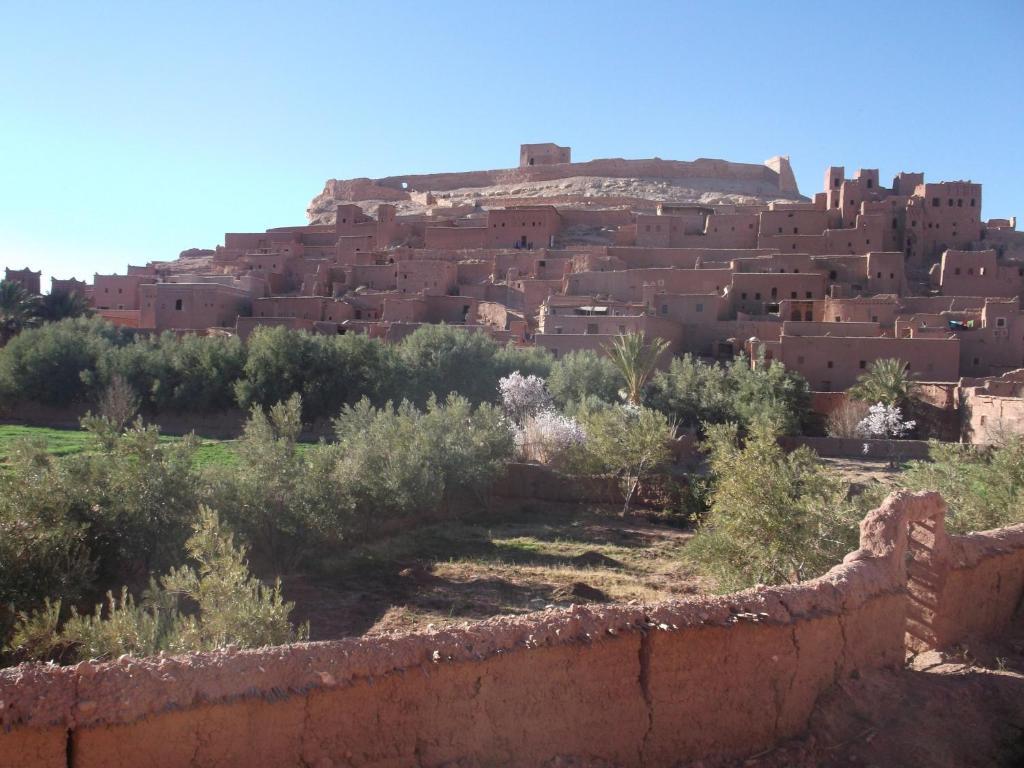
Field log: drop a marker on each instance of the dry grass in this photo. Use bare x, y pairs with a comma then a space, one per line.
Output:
444, 574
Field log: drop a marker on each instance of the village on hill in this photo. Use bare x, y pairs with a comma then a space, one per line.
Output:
609, 463
715, 257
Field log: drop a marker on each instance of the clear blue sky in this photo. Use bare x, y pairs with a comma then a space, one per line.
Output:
129, 132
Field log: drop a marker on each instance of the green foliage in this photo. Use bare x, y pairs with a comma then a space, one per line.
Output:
328, 372
535, 361
628, 441
635, 360
584, 374
775, 518
55, 363
283, 500
233, 608
886, 382
137, 494
43, 550
171, 373
54, 307
436, 360
695, 393
399, 462
77, 360
18, 309
984, 487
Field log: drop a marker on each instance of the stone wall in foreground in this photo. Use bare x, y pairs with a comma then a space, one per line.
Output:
624, 685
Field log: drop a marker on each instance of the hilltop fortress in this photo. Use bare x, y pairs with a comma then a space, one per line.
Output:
540, 164
716, 257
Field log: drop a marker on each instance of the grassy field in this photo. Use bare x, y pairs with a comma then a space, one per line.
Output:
67, 442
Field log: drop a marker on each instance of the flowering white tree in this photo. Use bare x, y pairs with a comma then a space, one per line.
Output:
523, 396
546, 436
884, 421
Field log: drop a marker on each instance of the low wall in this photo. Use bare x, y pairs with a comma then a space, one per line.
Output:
626, 685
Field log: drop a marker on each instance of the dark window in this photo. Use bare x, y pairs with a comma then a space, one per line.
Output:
863, 364
177, 304
829, 363
936, 202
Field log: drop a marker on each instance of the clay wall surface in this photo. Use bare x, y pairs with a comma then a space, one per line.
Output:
124, 318
656, 685
833, 363
752, 291
71, 285
880, 309
305, 307
26, 278
429, 277
118, 291
456, 237
992, 408
628, 285
978, 273
190, 306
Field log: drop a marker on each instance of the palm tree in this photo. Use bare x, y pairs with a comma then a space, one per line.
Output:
886, 381
18, 309
61, 305
635, 359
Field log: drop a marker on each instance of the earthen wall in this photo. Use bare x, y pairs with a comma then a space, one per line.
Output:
626, 685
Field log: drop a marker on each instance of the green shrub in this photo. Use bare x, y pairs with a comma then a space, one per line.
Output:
56, 363
397, 462
775, 518
984, 487
694, 393
43, 551
584, 374
170, 373
136, 494
328, 372
232, 608
628, 441
285, 502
